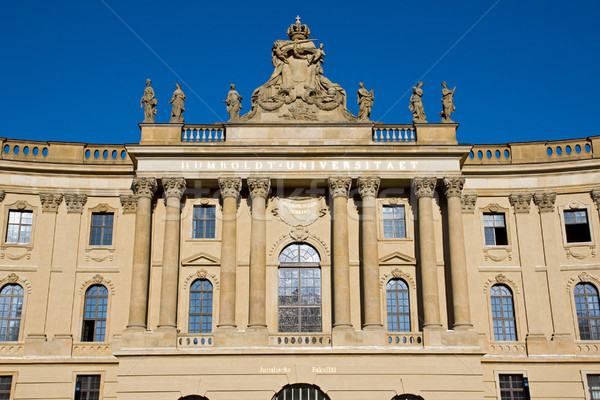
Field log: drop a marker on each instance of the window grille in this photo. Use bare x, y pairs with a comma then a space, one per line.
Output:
588, 311
594, 386
5, 386
19, 227
204, 222
87, 387
201, 300
398, 310
11, 306
94, 319
513, 387
101, 231
394, 222
503, 313
300, 392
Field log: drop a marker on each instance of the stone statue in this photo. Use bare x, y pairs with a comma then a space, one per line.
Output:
178, 101
447, 103
317, 57
148, 103
365, 101
416, 105
234, 103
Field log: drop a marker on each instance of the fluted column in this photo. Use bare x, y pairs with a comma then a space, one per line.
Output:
458, 259
424, 189
339, 188
230, 190
144, 189
259, 190
174, 188
368, 188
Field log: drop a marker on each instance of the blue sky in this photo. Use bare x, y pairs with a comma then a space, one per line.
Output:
73, 70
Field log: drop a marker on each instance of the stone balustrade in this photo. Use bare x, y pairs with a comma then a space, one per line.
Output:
307, 340
194, 340
508, 348
587, 347
535, 152
397, 134
405, 339
92, 349
61, 152
203, 133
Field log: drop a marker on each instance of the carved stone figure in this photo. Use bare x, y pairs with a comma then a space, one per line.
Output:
365, 102
297, 89
447, 103
416, 105
234, 103
178, 101
148, 103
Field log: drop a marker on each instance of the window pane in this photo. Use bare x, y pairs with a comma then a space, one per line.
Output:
11, 303
503, 315
397, 306
203, 223
19, 226
201, 299
95, 313
101, 229
5, 385
394, 224
588, 311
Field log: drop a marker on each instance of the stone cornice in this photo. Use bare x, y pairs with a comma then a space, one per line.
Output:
339, 186
174, 187
468, 203
144, 187
453, 186
424, 187
230, 187
368, 186
545, 201
75, 202
521, 202
259, 187
50, 201
128, 203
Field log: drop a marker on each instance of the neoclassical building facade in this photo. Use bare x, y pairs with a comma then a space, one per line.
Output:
299, 252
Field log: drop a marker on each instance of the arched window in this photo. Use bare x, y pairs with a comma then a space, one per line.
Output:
94, 315
201, 300
503, 313
407, 397
11, 305
398, 310
588, 311
299, 289
300, 391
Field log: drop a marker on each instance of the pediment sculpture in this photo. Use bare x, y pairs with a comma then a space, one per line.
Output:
297, 90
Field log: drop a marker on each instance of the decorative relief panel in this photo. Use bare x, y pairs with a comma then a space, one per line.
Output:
97, 280
311, 238
201, 274
14, 278
583, 277
128, 203
299, 212
398, 274
502, 280
468, 203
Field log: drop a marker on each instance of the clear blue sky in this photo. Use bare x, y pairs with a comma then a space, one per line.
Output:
73, 71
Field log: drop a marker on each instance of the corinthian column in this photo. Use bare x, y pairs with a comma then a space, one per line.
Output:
368, 188
259, 190
174, 188
339, 188
458, 259
144, 189
424, 189
230, 190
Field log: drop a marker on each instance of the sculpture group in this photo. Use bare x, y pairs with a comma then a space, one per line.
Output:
298, 91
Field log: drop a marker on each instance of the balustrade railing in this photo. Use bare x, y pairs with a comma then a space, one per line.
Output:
405, 339
203, 133
508, 348
396, 134
300, 340
194, 340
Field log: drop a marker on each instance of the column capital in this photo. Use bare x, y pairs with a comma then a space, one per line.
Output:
2, 194
230, 187
424, 187
174, 187
368, 186
453, 186
545, 201
595, 193
520, 202
468, 203
144, 187
259, 187
50, 201
128, 203
75, 202
339, 186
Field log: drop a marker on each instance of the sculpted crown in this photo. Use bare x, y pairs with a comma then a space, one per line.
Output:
298, 30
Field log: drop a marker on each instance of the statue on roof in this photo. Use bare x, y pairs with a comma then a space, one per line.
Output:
447, 103
297, 89
234, 103
148, 103
416, 105
365, 102
178, 101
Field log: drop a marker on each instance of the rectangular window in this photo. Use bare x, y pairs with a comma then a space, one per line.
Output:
204, 222
593, 382
19, 226
494, 227
513, 387
102, 229
394, 225
87, 387
577, 228
5, 385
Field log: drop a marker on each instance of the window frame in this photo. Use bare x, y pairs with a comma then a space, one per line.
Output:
13, 375
408, 299
408, 218
21, 206
101, 208
83, 319
194, 206
77, 374
23, 303
187, 223
212, 308
518, 304
584, 380
514, 317
576, 205
102, 229
574, 308
523, 373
